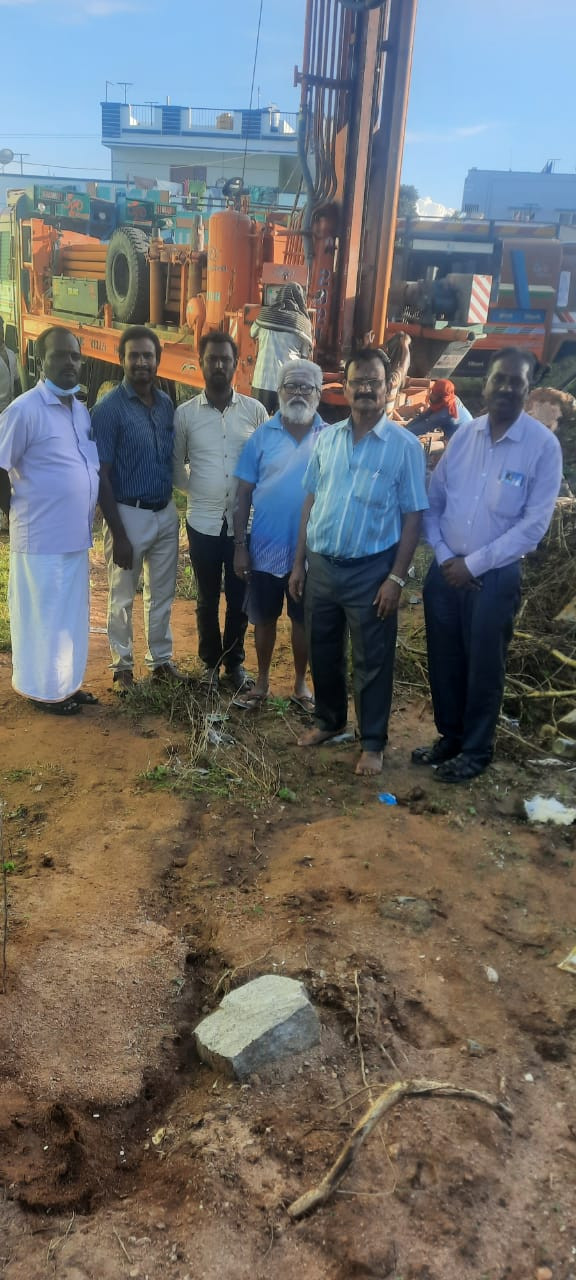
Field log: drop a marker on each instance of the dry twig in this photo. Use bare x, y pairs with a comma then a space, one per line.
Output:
392, 1095
122, 1246
230, 974
357, 1032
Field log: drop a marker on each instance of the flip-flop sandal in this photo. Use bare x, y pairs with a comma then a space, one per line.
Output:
305, 703
85, 699
255, 703
341, 735
69, 707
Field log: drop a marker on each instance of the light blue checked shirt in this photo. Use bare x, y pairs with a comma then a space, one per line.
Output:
361, 492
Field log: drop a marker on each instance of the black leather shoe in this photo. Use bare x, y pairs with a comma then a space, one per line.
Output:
123, 679
438, 753
239, 679
167, 671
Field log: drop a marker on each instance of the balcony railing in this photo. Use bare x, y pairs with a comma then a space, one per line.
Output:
253, 123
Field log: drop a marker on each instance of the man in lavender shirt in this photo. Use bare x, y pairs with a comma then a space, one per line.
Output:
491, 496
49, 480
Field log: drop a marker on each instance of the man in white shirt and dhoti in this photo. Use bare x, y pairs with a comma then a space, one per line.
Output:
49, 471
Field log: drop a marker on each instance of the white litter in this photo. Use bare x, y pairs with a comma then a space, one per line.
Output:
569, 964
549, 760
491, 974
548, 809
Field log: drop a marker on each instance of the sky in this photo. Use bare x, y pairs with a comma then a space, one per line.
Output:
492, 83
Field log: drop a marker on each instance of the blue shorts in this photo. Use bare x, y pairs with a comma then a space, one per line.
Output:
264, 600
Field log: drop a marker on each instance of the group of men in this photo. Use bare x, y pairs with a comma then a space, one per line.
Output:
326, 518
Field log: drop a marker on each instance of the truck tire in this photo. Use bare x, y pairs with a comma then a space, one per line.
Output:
128, 275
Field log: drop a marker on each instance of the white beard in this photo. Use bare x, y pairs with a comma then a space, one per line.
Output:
301, 415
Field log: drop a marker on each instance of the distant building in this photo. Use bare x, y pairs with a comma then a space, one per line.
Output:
28, 182
521, 197
202, 148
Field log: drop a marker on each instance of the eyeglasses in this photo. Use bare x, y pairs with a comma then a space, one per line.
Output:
373, 383
302, 388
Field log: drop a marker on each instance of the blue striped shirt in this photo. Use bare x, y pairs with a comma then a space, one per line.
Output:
362, 491
137, 442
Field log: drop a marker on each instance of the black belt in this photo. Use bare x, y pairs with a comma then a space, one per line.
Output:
358, 560
144, 506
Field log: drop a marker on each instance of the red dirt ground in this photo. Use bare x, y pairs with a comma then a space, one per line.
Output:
132, 908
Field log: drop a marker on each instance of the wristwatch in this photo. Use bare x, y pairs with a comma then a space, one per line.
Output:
400, 582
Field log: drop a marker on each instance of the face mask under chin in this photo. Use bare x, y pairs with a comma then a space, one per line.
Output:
61, 391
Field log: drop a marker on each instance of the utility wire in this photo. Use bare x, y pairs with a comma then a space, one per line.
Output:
253, 79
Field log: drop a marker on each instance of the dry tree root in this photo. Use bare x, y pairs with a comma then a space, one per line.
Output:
391, 1096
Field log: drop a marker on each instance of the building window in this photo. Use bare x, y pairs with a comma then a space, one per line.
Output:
524, 212
188, 173
471, 208
566, 217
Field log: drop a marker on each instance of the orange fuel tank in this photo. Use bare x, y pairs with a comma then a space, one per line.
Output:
231, 275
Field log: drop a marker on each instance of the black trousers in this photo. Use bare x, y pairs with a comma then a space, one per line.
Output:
210, 555
268, 398
467, 633
337, 601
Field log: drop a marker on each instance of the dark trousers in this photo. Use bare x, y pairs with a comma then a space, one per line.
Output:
338, 599
468, 632
210, 555
268, 398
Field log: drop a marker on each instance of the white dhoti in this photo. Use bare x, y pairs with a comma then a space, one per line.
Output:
49, 602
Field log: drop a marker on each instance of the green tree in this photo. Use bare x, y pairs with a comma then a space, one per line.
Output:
407, 201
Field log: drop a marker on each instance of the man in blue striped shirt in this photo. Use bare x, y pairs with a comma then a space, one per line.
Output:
133, 427
365, 486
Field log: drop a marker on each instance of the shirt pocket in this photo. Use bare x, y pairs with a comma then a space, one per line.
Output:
90, 451
507, 493
369, 486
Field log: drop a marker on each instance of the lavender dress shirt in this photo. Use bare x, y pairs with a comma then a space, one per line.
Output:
53, 467
492, 503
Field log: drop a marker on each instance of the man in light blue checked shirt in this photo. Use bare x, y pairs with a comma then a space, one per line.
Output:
361, 519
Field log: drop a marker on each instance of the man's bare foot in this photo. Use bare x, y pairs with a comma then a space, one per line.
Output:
314, 737
369, 762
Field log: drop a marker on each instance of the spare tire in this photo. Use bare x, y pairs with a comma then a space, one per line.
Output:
128, 275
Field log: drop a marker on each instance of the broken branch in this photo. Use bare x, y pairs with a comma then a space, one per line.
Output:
391, 1096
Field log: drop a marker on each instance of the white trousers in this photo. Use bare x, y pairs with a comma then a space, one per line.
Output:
49, 601
154, 538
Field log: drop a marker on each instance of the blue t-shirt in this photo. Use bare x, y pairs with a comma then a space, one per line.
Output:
275, 463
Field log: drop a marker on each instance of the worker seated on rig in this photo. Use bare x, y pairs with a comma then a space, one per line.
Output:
283, 332
444, 412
